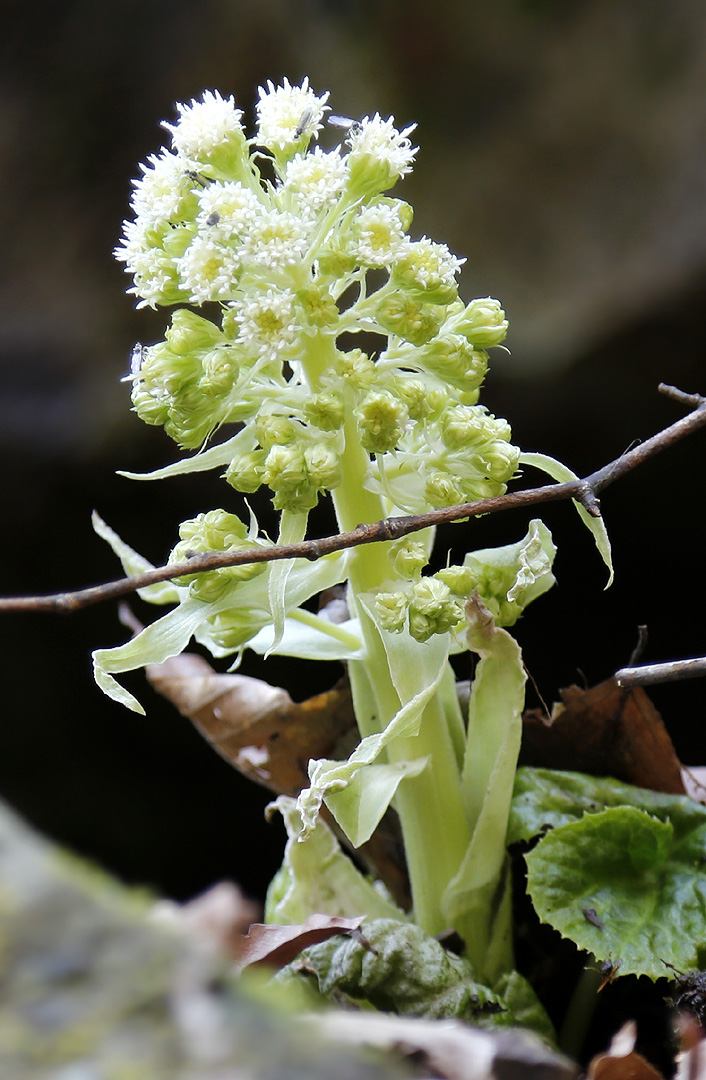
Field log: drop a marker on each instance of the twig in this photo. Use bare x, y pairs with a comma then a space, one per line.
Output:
584, 491
673, 671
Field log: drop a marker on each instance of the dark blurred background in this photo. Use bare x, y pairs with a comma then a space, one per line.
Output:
563, 151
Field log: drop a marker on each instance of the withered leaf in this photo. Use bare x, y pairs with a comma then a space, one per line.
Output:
276, 946
608, 730
255, 726
621, 1061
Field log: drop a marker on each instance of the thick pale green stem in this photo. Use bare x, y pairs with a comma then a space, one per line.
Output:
430, 806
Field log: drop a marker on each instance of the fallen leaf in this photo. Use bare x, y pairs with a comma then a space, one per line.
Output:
255, 726
694, 780
621, 1061
605, 731
275, 946
452, 1049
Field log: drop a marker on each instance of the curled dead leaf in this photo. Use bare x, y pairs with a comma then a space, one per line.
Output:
255, 726
605, 731
621, 1061
275, 946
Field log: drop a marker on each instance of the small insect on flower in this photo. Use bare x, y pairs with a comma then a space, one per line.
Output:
213, 218
137, 359
341, 121
304, 122
198, 178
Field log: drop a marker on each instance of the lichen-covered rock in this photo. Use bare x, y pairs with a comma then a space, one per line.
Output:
92, 989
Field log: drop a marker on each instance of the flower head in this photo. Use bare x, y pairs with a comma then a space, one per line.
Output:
288, 115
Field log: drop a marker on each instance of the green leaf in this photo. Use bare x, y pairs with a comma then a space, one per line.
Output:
397, 967
316, 877
547, 798
595, 525
213, 458
247, 603
621, 872
494, 732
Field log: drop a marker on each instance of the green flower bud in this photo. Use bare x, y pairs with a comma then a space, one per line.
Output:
429, 595
391, 609
382, 420
285, 468
245, 472
326, 411
483, 322
432, 609
460, 580
455, 360
500, 461
464, 426
213, 531
319, 307
408, 318
415, 395
355, 368
323, 466
190, 333
442, 490
427, 271
272, 429
409, 557
229, 630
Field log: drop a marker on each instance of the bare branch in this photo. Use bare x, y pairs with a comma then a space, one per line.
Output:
584, 490
673, 671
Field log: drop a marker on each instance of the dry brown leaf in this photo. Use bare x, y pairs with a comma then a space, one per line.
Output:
450, 1048
276, 946
255, 726
621, 1061
605, 731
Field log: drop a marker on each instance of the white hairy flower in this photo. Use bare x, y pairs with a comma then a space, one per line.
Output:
204, 125
276, 239
380, 235
266, 320
317, 179
227, 210
286, 113
209, 270
160, 190
379, 153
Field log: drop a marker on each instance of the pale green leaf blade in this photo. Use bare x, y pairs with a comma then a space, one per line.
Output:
596, 526
358, 807
164, 592
213, 458
309, 637
318, 878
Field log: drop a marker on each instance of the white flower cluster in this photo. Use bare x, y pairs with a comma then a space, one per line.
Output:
297, 244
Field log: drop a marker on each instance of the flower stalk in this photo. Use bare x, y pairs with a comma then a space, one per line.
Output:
299, 249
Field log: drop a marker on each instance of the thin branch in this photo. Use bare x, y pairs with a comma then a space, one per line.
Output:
584, 491
673, 671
